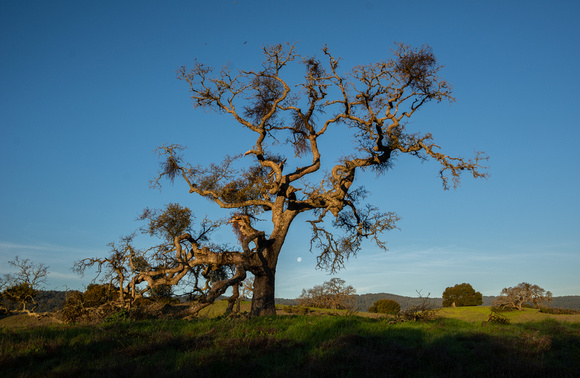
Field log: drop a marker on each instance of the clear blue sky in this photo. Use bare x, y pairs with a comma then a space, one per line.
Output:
88, 90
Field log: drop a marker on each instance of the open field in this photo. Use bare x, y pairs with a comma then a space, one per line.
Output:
324, 345
481, 313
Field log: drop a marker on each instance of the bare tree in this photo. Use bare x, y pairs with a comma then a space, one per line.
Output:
373, 102
333, 294
22, 285
523, 294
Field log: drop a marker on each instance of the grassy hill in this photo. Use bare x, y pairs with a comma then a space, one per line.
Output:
364, 301
324, 345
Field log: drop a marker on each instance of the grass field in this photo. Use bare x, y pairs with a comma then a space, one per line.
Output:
328, 344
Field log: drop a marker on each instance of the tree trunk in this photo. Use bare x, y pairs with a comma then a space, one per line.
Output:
263, 299
263, 302
234, 299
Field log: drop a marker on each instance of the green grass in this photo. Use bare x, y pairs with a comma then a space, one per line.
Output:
481, 313
290, 346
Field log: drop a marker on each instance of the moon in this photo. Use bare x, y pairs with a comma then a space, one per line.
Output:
299, 259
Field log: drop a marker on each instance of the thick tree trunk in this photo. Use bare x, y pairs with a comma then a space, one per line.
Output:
263, 302
263, 299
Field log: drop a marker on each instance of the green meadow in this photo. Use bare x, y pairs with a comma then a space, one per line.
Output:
320, 344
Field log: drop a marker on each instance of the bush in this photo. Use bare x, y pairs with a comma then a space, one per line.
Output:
300, 310
385, 306
97, 295
495, 318
117, 317
498, 309
94, 304
73, 310
162, 294
424, 311
558, 311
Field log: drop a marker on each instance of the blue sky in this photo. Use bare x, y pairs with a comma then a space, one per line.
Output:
88, 91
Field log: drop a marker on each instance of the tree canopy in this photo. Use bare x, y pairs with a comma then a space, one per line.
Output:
461, 295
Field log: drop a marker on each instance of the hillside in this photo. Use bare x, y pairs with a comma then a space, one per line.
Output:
364, 301
51, 300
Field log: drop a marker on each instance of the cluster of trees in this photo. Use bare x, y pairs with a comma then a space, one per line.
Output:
511, 298
333, 294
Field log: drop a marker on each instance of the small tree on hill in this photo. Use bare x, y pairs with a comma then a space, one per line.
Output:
461, 295
385, 306
523, 294
21, 287
333, 294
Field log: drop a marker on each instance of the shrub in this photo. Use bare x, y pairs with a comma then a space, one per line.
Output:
385, 306
97, 295
162, 293
94, 304
116, 317
300, 310
422, 312
73, 309
495, 318
558, 311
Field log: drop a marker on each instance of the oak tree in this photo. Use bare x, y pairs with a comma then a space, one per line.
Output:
523, 294
461, 295
289, 168
22, 285
372, 102
333, 294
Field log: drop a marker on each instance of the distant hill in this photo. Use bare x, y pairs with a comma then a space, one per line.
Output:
53, 300
364, 301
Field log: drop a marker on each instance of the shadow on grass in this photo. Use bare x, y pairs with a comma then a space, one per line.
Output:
293, 346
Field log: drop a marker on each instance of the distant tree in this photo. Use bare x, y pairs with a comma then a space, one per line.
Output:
22, 286
523, 294
247, 287
22, 294
461, 295
333, 294
385, 306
